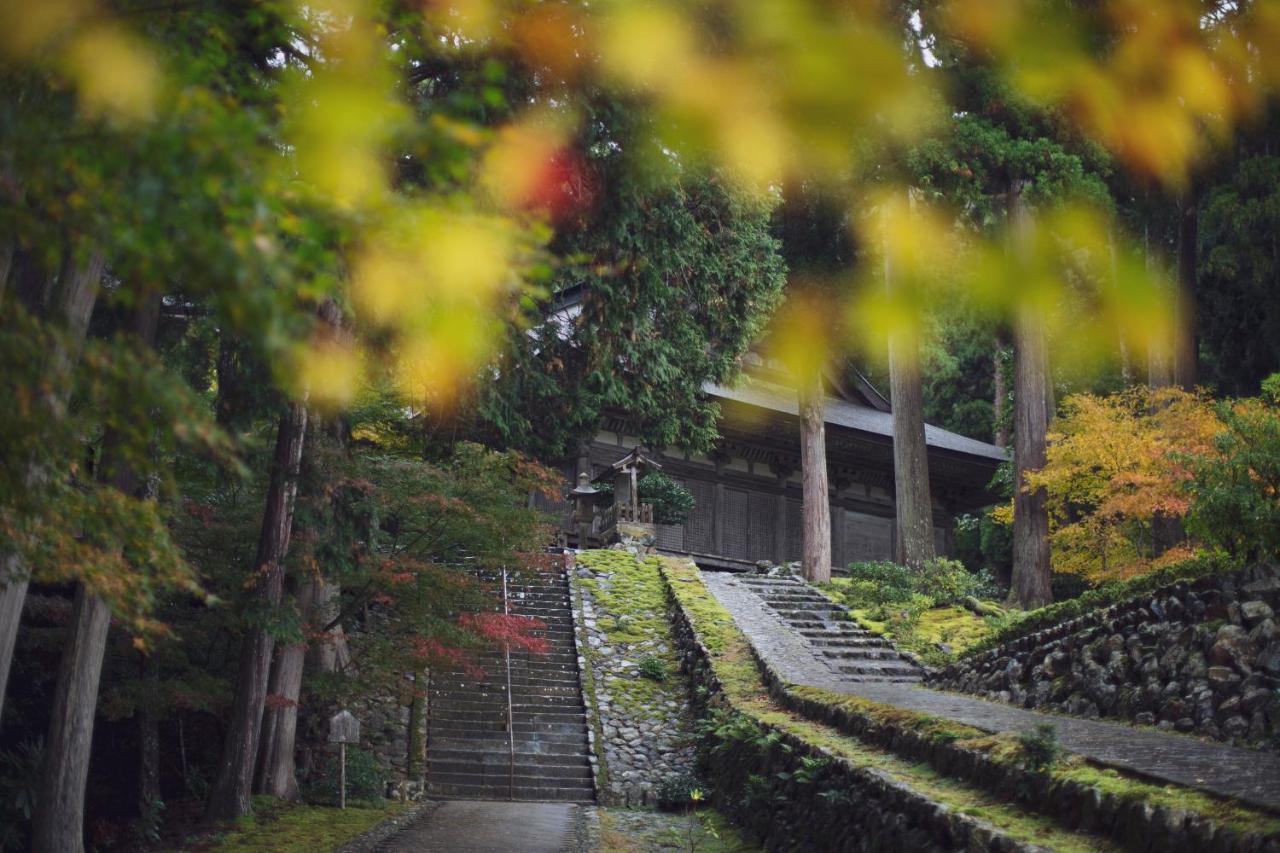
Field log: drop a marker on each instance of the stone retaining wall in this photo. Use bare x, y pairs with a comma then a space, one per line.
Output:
797, 795
1199, 657
641, 730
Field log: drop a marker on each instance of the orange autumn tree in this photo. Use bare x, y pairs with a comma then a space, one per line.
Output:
1115, 469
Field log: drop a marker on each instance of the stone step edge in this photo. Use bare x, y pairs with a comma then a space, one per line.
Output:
1073, 805
962, 831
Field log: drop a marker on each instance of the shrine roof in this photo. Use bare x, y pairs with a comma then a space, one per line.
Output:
841, 413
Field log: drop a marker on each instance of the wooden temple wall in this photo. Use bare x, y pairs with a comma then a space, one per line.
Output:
745, 511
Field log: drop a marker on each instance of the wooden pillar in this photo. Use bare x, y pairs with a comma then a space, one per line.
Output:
781, 471
717, 520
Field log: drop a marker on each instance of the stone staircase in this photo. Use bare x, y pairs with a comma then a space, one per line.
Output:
850, 651
543, 754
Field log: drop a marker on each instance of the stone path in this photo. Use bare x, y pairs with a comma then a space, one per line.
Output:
1247, 775
481, 826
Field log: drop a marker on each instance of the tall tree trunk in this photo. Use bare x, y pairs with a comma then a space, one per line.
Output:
277, 772
1185, 346
1032, 404
149, 739
816, 508
912, 505
73, 296
230, 797
1030, 427
328, 653
11, 193
58, 822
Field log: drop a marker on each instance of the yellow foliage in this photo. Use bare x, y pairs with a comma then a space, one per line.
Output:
1114, 466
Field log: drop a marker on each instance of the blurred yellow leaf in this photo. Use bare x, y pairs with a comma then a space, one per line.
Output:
116, 77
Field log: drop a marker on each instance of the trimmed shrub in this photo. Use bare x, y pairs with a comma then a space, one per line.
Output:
366, 778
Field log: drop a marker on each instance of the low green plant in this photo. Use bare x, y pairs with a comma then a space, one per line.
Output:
675, 793
1038, 748
671, 500
366, 778
653, 668
936, 583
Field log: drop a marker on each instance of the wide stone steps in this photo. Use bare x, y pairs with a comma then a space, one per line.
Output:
532, 792
542, 751
851, 651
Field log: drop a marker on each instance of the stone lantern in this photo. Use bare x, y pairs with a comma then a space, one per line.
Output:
584, 507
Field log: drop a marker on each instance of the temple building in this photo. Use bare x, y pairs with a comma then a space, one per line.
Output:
747, 491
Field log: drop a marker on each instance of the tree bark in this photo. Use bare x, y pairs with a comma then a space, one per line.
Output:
1032, 404
1031, 571
328, 653
230, 797
816, 563
912, 505
73, 297
1185, 345
11, 192
149, 739
277, 772
58, 822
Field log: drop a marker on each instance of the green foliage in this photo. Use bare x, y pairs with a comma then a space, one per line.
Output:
984, 542
1234, 502
1238, 302
1038, 748
1271, 390
672, 501
277, 826
674, 793
653, 668
366, 778
938, 582
676, 275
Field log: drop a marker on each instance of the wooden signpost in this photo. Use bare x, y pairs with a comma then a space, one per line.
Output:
344, 728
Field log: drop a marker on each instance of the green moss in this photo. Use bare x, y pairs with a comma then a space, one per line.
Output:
1005, 749
920, 633
1019, 625
631, 610
734, 666
280, 827
644, 831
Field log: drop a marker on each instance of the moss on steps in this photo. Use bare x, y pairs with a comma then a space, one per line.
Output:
744, 692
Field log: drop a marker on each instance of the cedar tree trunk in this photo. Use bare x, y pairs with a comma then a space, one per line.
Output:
230, 797
277, 770
58, 822
1184, 345
912, 505
1032, 403
816, 508
73, 297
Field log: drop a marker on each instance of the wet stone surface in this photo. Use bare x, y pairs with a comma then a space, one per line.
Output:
1248, 775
